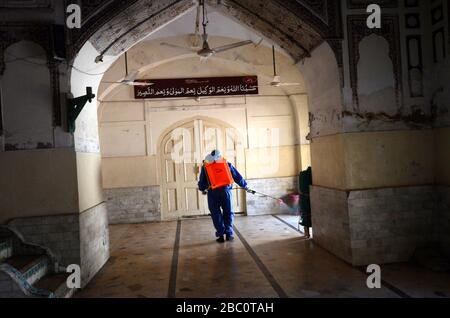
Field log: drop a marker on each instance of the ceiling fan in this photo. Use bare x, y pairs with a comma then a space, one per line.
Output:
205, 51
130, 79
276, 82
195, 39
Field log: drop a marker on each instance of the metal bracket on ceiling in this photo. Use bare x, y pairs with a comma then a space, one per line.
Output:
75, 106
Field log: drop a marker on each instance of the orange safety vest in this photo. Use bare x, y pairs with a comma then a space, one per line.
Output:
219, 174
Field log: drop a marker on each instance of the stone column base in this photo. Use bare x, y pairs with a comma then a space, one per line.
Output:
444, 219
375, 226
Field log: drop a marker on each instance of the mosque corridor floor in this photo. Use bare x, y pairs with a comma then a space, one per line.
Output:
268, 258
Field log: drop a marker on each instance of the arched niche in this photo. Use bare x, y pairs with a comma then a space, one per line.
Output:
376, 78
27, 100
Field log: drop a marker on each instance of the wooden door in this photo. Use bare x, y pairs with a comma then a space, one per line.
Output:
183, 152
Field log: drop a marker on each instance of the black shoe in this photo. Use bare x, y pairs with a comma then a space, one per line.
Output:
220, 240
230, 238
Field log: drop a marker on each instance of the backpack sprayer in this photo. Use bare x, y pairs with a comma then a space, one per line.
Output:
218, 175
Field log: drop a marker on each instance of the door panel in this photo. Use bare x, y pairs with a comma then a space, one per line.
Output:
192, 201
172, 200
170, 171
193, 141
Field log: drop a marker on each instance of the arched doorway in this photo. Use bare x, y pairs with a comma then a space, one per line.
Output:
312, 49
182, 150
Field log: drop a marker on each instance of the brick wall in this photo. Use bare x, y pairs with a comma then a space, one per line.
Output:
388, 225
444, 219
133, 205
330, 221
94, 243
375, 226
275, 187
61, 234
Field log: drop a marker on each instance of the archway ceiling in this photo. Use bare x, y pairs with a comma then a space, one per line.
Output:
220, 25
297, 26
151, 59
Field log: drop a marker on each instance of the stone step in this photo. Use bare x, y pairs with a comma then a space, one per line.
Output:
31, 267
56, 284
6, 248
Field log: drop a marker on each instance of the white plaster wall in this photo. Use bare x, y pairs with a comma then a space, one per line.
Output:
299, 103
86, 137
87, 73
322, 81
37, 182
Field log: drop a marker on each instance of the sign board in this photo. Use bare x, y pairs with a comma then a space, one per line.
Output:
197, 87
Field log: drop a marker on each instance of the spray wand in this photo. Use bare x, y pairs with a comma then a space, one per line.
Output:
261, 194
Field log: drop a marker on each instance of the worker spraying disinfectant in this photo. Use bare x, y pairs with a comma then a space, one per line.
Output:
216, 181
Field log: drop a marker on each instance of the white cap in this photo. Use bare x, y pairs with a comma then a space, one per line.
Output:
216, 155
209, 158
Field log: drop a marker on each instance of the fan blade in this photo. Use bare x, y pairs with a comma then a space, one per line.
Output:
290, 84
178, 47
111, 82
131, 77
231, 46
140, 84
130, 83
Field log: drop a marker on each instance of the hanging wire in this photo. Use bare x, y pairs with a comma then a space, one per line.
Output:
205, 16
197, 21
27, 60
86, 73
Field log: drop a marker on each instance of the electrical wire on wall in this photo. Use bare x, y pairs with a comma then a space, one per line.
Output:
27, 60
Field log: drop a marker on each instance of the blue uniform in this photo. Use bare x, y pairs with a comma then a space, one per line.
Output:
221, 198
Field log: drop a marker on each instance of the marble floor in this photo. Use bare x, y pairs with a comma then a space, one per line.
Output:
269, 258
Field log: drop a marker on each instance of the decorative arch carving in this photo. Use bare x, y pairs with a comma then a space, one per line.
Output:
11, 33
297, 26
